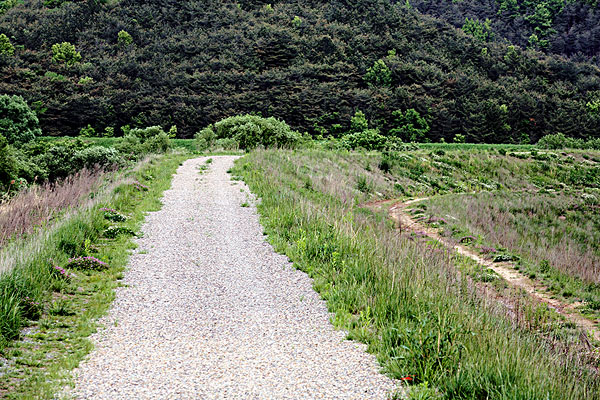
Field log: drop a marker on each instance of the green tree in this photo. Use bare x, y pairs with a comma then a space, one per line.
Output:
124, 39
409, 125
480, 31
6, 47
458, 138
87, 131
8, 169
18, 123
359, 122
65, 52
379, 74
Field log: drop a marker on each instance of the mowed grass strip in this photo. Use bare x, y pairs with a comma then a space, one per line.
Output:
427, 324
39, 349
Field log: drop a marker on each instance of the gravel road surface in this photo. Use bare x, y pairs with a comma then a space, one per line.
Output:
210, 311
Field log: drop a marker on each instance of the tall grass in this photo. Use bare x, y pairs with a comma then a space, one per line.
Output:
561, 229
39, 204
26, 264
405, 299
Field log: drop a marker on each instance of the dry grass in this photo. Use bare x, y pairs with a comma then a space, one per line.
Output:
39, 204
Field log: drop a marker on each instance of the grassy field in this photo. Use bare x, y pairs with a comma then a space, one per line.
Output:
448, 334
443, 324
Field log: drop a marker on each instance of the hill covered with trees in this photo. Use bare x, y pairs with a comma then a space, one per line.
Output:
313, 64
567, 27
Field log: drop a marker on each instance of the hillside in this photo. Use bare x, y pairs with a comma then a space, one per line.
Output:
313, 64
567, 27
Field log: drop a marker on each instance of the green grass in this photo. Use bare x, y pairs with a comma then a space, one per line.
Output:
36, 361
403, 297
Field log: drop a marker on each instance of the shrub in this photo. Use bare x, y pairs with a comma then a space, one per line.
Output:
158, 143
65, 52
554, 142
251, 131
386, 163
130, 145
87, 131
369, 139
86, 264
227, 144
96, 156
458, 138
18, 123
205, 139
146, 133
58, 160
358, 123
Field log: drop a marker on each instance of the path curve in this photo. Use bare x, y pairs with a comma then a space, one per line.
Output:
210, 311
505, 269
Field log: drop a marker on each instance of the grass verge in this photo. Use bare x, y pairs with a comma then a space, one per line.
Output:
46, 316
427, 324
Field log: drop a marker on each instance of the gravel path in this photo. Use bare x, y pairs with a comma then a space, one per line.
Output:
210, 311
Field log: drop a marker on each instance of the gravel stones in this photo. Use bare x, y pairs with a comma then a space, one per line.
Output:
210, 311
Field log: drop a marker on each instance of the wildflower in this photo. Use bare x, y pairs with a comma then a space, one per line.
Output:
12, 182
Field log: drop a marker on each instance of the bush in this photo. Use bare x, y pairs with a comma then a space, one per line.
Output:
205, 139
369, 139
560, 141
158, 143
130, 145
140, 141
87, 131
18, 123
96, 156
409, 125
146, 133
555, 142
251, 131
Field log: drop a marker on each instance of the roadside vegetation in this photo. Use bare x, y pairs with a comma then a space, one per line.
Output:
59, 279
448, 334
437, 321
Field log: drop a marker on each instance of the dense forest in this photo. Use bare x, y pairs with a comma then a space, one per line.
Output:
311, 63
566, 27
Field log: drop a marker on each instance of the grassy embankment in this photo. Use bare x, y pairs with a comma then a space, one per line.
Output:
403, 296
538, 209
46, 318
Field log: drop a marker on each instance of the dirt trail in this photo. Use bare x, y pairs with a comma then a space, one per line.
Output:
209, 310
504, 269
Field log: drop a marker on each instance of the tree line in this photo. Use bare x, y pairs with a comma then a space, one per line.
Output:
313, 64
